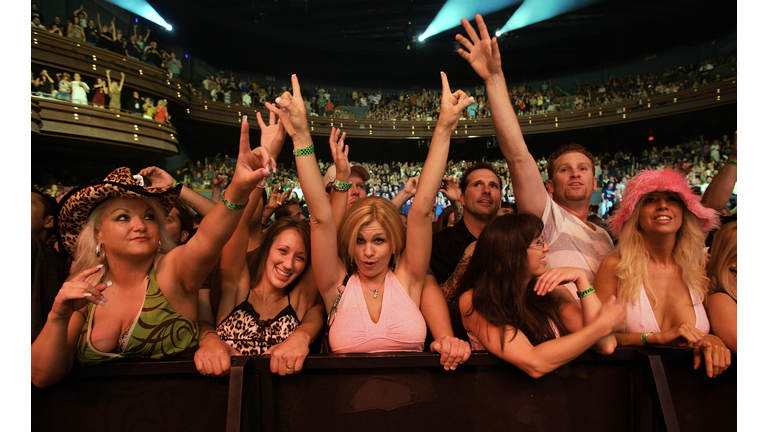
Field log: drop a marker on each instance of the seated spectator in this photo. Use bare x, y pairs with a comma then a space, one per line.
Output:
721, 270
658, 268
511, 305
55, 29
136, 104
65, 87
36, 13
133, 272
36, 23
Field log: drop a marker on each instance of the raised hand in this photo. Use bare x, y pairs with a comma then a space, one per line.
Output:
291, 110
481, 52
411, 185
552, 278
252, 166
451, 105
452, 190
76, 293
272, 135
340, 153
157, 176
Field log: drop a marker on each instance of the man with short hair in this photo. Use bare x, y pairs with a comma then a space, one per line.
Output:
358, 176
573, 241
480, 197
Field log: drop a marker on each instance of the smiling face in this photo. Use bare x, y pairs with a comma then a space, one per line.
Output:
287, 259
129, 227
373, 250
482, 197
661, 212
573, 180
537, 254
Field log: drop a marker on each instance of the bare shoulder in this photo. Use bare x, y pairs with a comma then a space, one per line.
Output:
465, 301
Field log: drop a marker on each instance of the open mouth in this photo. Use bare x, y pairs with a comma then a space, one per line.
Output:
662, 219
282, 273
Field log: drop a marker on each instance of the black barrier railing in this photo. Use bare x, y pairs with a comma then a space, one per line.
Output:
631, 390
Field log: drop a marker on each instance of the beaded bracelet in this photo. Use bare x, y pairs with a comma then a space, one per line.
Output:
586, 292
310, 149
644, 338
230, 205
341, 186
730, 161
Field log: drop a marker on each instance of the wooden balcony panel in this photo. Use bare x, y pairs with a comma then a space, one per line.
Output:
37, 122
64, 53
87, 123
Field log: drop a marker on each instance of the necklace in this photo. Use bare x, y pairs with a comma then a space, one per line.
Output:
375, 291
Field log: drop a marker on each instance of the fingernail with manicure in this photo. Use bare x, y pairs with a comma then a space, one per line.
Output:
100, 266
87, 294
245, 118
109, 283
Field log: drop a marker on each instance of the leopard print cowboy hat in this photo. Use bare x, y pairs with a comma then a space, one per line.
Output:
77, 205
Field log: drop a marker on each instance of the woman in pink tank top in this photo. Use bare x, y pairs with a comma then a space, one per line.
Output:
379, 310
658, 267
511, 305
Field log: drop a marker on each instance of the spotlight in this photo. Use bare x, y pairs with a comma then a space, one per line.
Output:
421, 38
168, 27
498, 33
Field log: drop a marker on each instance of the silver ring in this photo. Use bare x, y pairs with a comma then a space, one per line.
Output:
289, 367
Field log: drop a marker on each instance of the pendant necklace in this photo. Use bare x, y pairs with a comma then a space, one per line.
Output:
375, 291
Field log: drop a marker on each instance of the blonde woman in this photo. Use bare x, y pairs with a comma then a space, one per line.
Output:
721, 270
658, 268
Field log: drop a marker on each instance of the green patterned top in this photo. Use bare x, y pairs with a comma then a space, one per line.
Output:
158, 331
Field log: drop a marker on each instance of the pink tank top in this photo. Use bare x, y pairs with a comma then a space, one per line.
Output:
401, 326
640, 317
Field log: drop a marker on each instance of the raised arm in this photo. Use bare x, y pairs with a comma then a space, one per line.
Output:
122, 81
160, 178
109, 80
340, 153
482, 53
406, 193
418, 245
719, 191
328, 268
189, 264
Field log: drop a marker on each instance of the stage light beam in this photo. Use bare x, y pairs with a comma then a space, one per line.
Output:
453, 11
143, 9
533, 11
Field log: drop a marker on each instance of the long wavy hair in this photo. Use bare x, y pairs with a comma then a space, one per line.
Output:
722, 257
270, 235
632, 269
496, 272
363, 212
85, 251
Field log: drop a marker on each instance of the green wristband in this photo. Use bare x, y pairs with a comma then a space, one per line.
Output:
644, 338
458, 206
176, 183
310, 149
341, 186
230, 205
730, 161
586, 292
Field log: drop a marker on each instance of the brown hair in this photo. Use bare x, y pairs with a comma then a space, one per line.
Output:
568, 148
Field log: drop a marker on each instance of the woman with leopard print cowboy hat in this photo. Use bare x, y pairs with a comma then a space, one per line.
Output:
130, 293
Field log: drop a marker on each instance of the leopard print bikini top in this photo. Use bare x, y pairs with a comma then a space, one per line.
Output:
246, 332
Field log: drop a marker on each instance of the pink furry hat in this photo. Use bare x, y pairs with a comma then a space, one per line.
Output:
648, 181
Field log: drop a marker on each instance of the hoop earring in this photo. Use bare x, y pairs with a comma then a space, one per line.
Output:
101, 253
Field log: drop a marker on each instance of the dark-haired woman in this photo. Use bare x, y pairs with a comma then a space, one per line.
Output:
511, 305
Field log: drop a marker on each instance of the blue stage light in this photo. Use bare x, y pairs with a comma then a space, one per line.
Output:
142, 9
533, 11
453, 11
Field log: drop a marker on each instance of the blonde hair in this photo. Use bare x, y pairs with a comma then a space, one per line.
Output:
632, 269
722, 257
362, 213
85, 250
